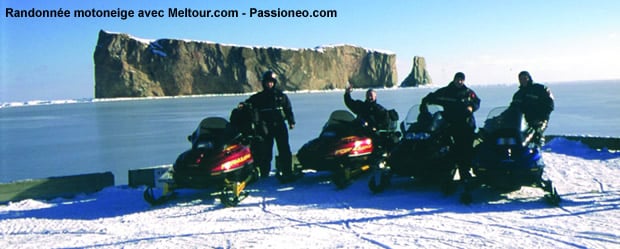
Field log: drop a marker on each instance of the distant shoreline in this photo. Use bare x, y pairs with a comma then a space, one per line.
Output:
91, 100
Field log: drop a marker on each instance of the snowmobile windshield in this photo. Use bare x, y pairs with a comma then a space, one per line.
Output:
338, 121
428, 121
215, 130
339, 117
505, 118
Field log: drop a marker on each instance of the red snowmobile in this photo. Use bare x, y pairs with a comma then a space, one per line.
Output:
344, 147
219, 159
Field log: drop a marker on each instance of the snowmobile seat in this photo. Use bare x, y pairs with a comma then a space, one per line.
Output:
212, 123
215, 130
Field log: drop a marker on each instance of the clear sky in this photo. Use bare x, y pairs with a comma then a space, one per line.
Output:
491, 41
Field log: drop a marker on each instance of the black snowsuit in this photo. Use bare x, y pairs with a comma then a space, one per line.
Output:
371, 112
377, 119
273, 108
455, 100
536, 102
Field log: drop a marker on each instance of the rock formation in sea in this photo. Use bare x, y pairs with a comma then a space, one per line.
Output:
126, 66
418, 75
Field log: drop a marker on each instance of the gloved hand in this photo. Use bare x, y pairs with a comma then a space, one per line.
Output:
349, 88
539, 126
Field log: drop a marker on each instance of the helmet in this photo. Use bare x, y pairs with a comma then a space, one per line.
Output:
459, 76
269, 76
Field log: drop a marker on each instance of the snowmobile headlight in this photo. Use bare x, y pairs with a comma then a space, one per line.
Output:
506, 141
423, 135
205, 145
417, 136
409, 136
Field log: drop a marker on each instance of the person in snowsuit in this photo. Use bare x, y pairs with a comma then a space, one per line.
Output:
536, 103
372, 113
376, 120
459, 103
274, 109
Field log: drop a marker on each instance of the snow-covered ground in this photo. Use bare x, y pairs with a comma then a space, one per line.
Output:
311, 213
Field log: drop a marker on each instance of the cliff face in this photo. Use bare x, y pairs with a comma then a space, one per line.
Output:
129, 67
418, 75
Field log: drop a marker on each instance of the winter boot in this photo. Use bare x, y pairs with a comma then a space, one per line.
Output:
285, 172
264, 170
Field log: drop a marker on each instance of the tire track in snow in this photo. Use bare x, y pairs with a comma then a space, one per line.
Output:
538, 232
346, 224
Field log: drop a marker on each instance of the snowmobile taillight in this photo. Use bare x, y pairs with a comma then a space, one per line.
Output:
354, 146
362, 147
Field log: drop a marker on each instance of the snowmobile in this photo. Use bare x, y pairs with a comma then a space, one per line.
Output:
422, 153
345, 147
219, 159
507, 158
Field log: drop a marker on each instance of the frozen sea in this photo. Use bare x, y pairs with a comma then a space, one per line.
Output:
43, 139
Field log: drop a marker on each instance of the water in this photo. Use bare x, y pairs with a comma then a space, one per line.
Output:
66, 139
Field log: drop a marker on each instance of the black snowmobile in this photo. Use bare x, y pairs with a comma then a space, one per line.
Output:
423, 153
345, 147
219, 159
507, 158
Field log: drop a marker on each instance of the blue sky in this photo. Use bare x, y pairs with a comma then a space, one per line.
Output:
491, 41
